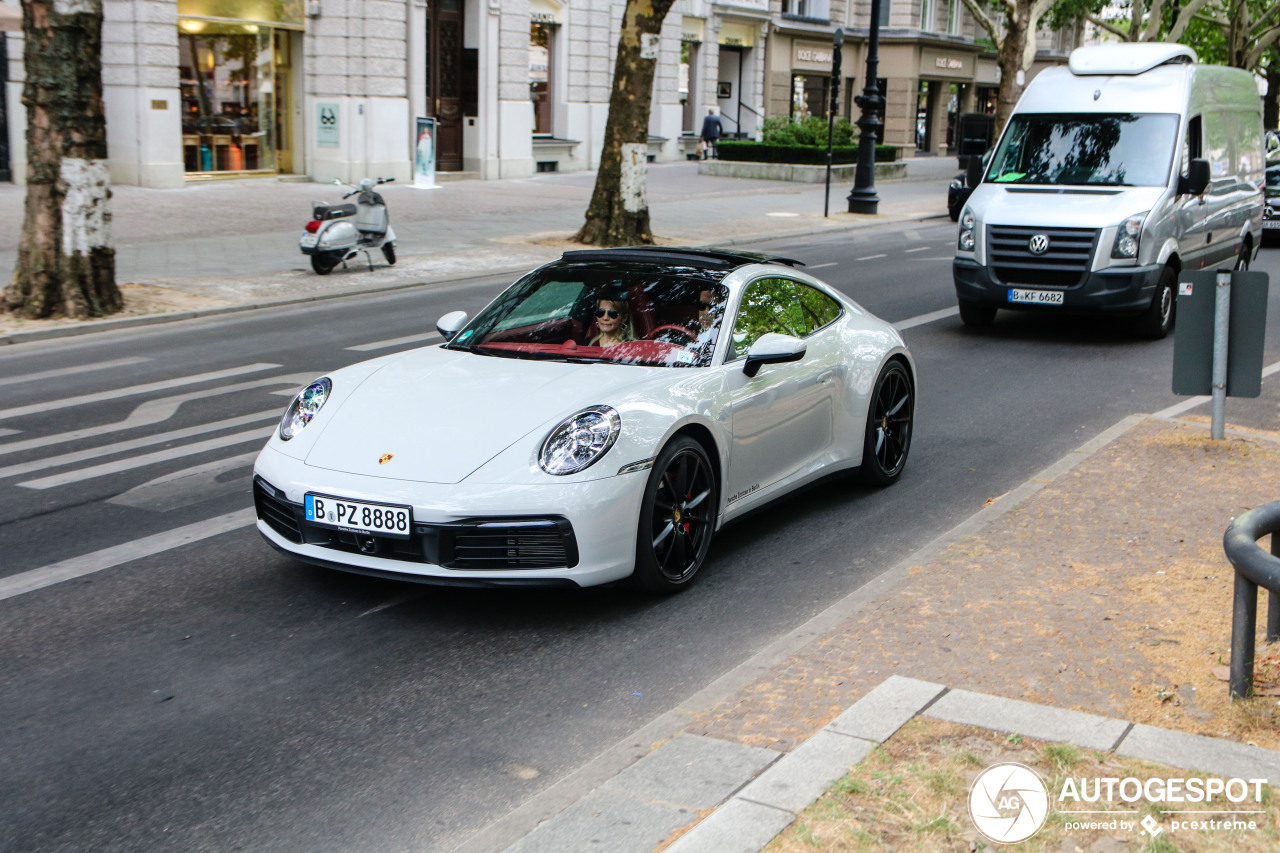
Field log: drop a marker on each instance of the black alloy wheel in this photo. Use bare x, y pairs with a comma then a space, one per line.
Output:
389, 252
889, 423
1157, 321
677, 518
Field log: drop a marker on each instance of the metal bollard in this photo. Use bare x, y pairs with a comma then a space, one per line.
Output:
1254, 568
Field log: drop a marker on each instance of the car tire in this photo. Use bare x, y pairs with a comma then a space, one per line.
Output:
1157, 321
389, 252
323, 263
677, 518
890, 420
954, 213
977, 315
1245, 257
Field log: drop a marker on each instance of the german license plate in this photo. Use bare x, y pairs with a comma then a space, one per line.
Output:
308, 239
388, 520
1035, 297
1271, 223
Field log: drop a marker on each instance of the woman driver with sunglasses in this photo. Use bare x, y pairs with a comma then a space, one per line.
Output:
613, 319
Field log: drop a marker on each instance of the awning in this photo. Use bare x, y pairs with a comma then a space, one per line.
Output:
10, 18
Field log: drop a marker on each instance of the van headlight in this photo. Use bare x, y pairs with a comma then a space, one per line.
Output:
579, 440
967, 223
1128, 238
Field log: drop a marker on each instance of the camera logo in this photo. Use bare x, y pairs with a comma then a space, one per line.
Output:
1008, 803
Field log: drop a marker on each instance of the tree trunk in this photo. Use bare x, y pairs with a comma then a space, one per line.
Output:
66, 265
619, 211
1271, 102
1010, 61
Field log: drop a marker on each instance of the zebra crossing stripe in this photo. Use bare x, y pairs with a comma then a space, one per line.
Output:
78, 567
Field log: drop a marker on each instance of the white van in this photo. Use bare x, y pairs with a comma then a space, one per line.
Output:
1111, 176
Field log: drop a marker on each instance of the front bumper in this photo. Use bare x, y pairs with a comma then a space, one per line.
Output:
1120, 290
586, 531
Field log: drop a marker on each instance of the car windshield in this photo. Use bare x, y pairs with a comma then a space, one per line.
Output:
1273, 177
598, 313
1086, 149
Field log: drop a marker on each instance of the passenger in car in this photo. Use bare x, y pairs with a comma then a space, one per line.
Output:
613, 321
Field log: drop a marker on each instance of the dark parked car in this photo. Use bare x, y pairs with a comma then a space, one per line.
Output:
959, 191
1271, 213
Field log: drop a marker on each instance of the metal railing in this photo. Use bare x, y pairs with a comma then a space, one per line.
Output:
1254, 568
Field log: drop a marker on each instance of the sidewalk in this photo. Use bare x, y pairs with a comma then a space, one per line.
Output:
1088, 607
224, 245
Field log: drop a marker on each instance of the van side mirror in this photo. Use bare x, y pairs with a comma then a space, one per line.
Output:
773, 349
1197, 178
450, 324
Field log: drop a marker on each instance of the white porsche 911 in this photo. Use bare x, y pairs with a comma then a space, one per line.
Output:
599, 420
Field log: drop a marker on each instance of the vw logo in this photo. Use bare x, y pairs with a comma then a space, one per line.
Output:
1039, 244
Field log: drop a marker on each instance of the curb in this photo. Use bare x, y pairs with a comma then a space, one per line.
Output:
546, 807
769, 803
89, 327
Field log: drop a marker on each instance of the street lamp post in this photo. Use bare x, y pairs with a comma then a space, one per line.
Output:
863, 198
836, 58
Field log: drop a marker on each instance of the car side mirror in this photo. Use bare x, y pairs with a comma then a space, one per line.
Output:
773, 349
973, 174
450, 324
1197, 178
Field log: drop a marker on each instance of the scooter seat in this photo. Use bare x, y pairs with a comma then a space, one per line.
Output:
324, 212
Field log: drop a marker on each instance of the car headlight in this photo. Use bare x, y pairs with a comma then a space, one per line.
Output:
956, 183
967, 223
579, 440
1128, 238
304, 407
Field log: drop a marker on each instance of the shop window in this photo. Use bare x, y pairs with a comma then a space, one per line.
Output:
810, 95
541, 74
229, 102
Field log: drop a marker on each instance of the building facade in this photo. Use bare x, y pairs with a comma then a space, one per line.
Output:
201, 89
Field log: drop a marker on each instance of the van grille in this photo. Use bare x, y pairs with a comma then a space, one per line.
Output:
1066, 262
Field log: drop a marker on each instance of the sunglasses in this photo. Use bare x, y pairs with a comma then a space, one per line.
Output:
601, 312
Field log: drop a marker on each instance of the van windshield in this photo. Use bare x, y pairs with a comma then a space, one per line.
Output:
1090, 149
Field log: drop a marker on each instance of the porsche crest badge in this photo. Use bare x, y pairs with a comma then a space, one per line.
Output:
384, 459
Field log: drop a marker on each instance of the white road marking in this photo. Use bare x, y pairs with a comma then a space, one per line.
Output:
1191, 402
190, 485
921, 319
917, 249
870, 257
78, 567
69, 371
5, 432
395, 342
155, 411
133, 390
134, 444
911, 234
130, 464
822, 266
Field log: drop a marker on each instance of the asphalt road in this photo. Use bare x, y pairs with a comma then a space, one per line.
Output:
216, 696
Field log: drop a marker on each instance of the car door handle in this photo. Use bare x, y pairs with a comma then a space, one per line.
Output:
826, 376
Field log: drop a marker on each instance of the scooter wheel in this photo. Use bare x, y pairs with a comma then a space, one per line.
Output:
322, 264
389, 252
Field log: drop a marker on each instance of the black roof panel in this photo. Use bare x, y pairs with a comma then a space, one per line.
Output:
716, 259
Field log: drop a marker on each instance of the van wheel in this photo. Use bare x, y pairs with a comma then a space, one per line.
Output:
976, 314
1246, 255
1158, 319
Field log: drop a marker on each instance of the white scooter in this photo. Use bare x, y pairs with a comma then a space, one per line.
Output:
338, 232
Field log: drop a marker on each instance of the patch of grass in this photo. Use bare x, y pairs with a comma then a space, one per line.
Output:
1062, 756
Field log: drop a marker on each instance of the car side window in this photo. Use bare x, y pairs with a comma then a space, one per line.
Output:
782, 306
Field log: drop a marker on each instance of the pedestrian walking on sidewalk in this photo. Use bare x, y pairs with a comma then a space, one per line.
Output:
711, 132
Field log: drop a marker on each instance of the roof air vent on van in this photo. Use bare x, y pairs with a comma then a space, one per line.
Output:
1127, 58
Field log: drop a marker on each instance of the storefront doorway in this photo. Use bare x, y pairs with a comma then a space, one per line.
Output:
445, 68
